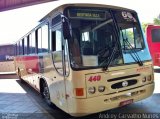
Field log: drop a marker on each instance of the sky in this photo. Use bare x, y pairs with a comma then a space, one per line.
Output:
16, 23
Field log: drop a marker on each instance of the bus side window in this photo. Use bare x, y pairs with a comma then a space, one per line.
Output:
17, 48
45, 38
25, 46
53, 41
57, 48
42, 39
39, 39
155, 34
32, 43
57, 40
22, 46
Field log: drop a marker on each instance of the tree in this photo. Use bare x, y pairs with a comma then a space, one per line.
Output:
156, 21
144, 25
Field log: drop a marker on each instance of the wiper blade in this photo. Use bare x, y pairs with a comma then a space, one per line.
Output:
115, 46
136, 58
110, 58
133, 53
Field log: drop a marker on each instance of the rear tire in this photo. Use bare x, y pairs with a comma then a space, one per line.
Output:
19, 76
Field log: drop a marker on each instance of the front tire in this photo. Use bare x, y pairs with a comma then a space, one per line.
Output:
46, 94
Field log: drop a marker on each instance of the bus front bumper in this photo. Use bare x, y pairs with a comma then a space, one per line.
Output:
105, 102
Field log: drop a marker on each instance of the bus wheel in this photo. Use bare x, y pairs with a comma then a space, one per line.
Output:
19, 76
45, 93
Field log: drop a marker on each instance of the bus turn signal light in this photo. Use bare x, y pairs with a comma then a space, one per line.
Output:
79, 92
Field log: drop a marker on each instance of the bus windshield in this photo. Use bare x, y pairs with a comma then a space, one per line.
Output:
129, 30
95, 35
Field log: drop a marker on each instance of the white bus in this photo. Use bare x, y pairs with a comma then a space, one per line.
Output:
87, 58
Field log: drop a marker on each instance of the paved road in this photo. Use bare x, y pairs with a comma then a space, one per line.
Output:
20, 101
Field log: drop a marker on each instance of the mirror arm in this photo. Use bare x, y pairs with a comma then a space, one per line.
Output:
66, 27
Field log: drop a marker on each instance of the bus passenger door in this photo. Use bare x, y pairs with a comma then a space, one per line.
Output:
58, 86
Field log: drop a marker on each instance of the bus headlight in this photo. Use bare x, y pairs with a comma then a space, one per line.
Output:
91, 90
101, 88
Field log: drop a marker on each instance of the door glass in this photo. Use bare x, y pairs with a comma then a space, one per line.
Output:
66, 59
57, 54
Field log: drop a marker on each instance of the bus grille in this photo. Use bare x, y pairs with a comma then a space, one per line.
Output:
121, 85
124, 77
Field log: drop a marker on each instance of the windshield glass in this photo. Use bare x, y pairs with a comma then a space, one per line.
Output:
129, 30
94, 37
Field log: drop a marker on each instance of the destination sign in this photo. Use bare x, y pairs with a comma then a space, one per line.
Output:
87, 14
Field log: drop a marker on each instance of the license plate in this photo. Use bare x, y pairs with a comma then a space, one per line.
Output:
126, 102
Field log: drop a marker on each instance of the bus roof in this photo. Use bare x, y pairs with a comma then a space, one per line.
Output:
8, 44
60, 8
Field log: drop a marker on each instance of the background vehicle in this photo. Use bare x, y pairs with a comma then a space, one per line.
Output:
86, 58
7, 52
153, 39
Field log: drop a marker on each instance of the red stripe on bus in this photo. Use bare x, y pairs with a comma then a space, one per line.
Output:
31, 63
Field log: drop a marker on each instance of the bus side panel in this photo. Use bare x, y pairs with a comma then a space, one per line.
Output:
33, 68
54, 80
28, 66
31, 64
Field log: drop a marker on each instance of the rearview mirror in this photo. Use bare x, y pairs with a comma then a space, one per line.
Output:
66, 27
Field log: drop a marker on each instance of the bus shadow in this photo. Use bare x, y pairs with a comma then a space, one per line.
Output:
50, 111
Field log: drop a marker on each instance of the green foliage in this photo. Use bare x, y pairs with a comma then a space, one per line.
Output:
144, 25
130, 36
156, 21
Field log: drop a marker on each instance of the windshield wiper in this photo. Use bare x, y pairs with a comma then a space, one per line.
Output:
116, 45
110, 58
133, 53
